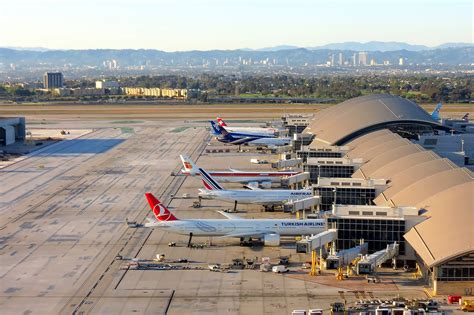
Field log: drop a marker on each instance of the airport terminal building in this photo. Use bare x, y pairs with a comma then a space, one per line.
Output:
383, 185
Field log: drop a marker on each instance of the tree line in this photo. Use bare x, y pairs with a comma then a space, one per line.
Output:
421, 89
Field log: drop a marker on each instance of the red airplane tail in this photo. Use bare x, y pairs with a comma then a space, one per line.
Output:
221, 122
159, 210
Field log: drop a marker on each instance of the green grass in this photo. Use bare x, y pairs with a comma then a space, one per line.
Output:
127, 122
179, 129
127, 130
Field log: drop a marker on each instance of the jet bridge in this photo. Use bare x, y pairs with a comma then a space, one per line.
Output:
297, 180
314, 242
301, 204
346, 256
369, 264
287, 163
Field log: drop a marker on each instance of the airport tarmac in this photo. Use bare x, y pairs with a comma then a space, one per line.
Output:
63, 212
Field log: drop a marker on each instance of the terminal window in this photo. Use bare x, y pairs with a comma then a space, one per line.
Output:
377, 233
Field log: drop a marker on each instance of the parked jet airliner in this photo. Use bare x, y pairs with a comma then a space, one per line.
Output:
251, 178
267, 197
256, 130
268, 230
247, 138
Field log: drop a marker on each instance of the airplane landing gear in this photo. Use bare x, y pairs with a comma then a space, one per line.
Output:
235, 206
190, 238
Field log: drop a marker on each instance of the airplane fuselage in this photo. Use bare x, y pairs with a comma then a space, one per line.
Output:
249, 176
252, 130
223, 227
263, 197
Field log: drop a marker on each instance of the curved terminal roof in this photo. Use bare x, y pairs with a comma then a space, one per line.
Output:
408, 186
372, 148
348, 120
418, 177
400, 164
448, 231
388, 152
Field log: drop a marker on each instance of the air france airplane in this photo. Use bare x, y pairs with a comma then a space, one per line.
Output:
239, 138
253, 196
257, 130
251, 178
268, 230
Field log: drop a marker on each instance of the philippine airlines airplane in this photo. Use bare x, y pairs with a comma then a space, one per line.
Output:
253, 195
268, 230
239, 138
252, 178
256, 130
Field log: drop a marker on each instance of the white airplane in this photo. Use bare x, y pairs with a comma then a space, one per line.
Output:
268, 230
251, 196
239, 138
251, 178
255, 130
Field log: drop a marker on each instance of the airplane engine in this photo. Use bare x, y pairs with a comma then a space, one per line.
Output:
271, 240
266, 185
251, 185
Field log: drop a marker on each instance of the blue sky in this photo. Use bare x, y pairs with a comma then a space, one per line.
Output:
228, 24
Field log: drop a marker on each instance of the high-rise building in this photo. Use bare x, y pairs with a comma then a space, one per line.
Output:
52, 80
400, 61
354, 63
363, 56
340, 60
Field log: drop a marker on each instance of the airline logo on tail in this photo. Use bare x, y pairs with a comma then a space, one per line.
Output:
465, 117
159, 210
189, 166
208, 181
221, 122
435, 113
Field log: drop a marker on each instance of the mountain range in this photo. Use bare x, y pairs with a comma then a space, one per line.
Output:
285, 56
356, 46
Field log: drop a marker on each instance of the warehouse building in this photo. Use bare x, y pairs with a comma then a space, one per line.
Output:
412, 195
12, 129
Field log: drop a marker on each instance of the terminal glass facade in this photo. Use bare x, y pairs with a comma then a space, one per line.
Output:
317, 154
344, 196
459, 269
324, 170
378, 233
292, 129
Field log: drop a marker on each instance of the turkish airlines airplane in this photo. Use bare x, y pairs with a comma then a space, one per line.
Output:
268, 230
251, 178
267, 197
257, 130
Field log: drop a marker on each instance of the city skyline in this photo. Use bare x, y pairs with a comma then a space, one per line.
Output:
210, 24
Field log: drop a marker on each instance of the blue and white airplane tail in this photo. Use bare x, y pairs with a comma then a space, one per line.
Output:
435, 114
209, 182
221, 131
216, 129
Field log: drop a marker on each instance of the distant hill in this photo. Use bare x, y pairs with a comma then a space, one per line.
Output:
217, 58
369, 46
372, 46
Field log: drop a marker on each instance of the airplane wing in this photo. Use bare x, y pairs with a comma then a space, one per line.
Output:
229, 215
252, 186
